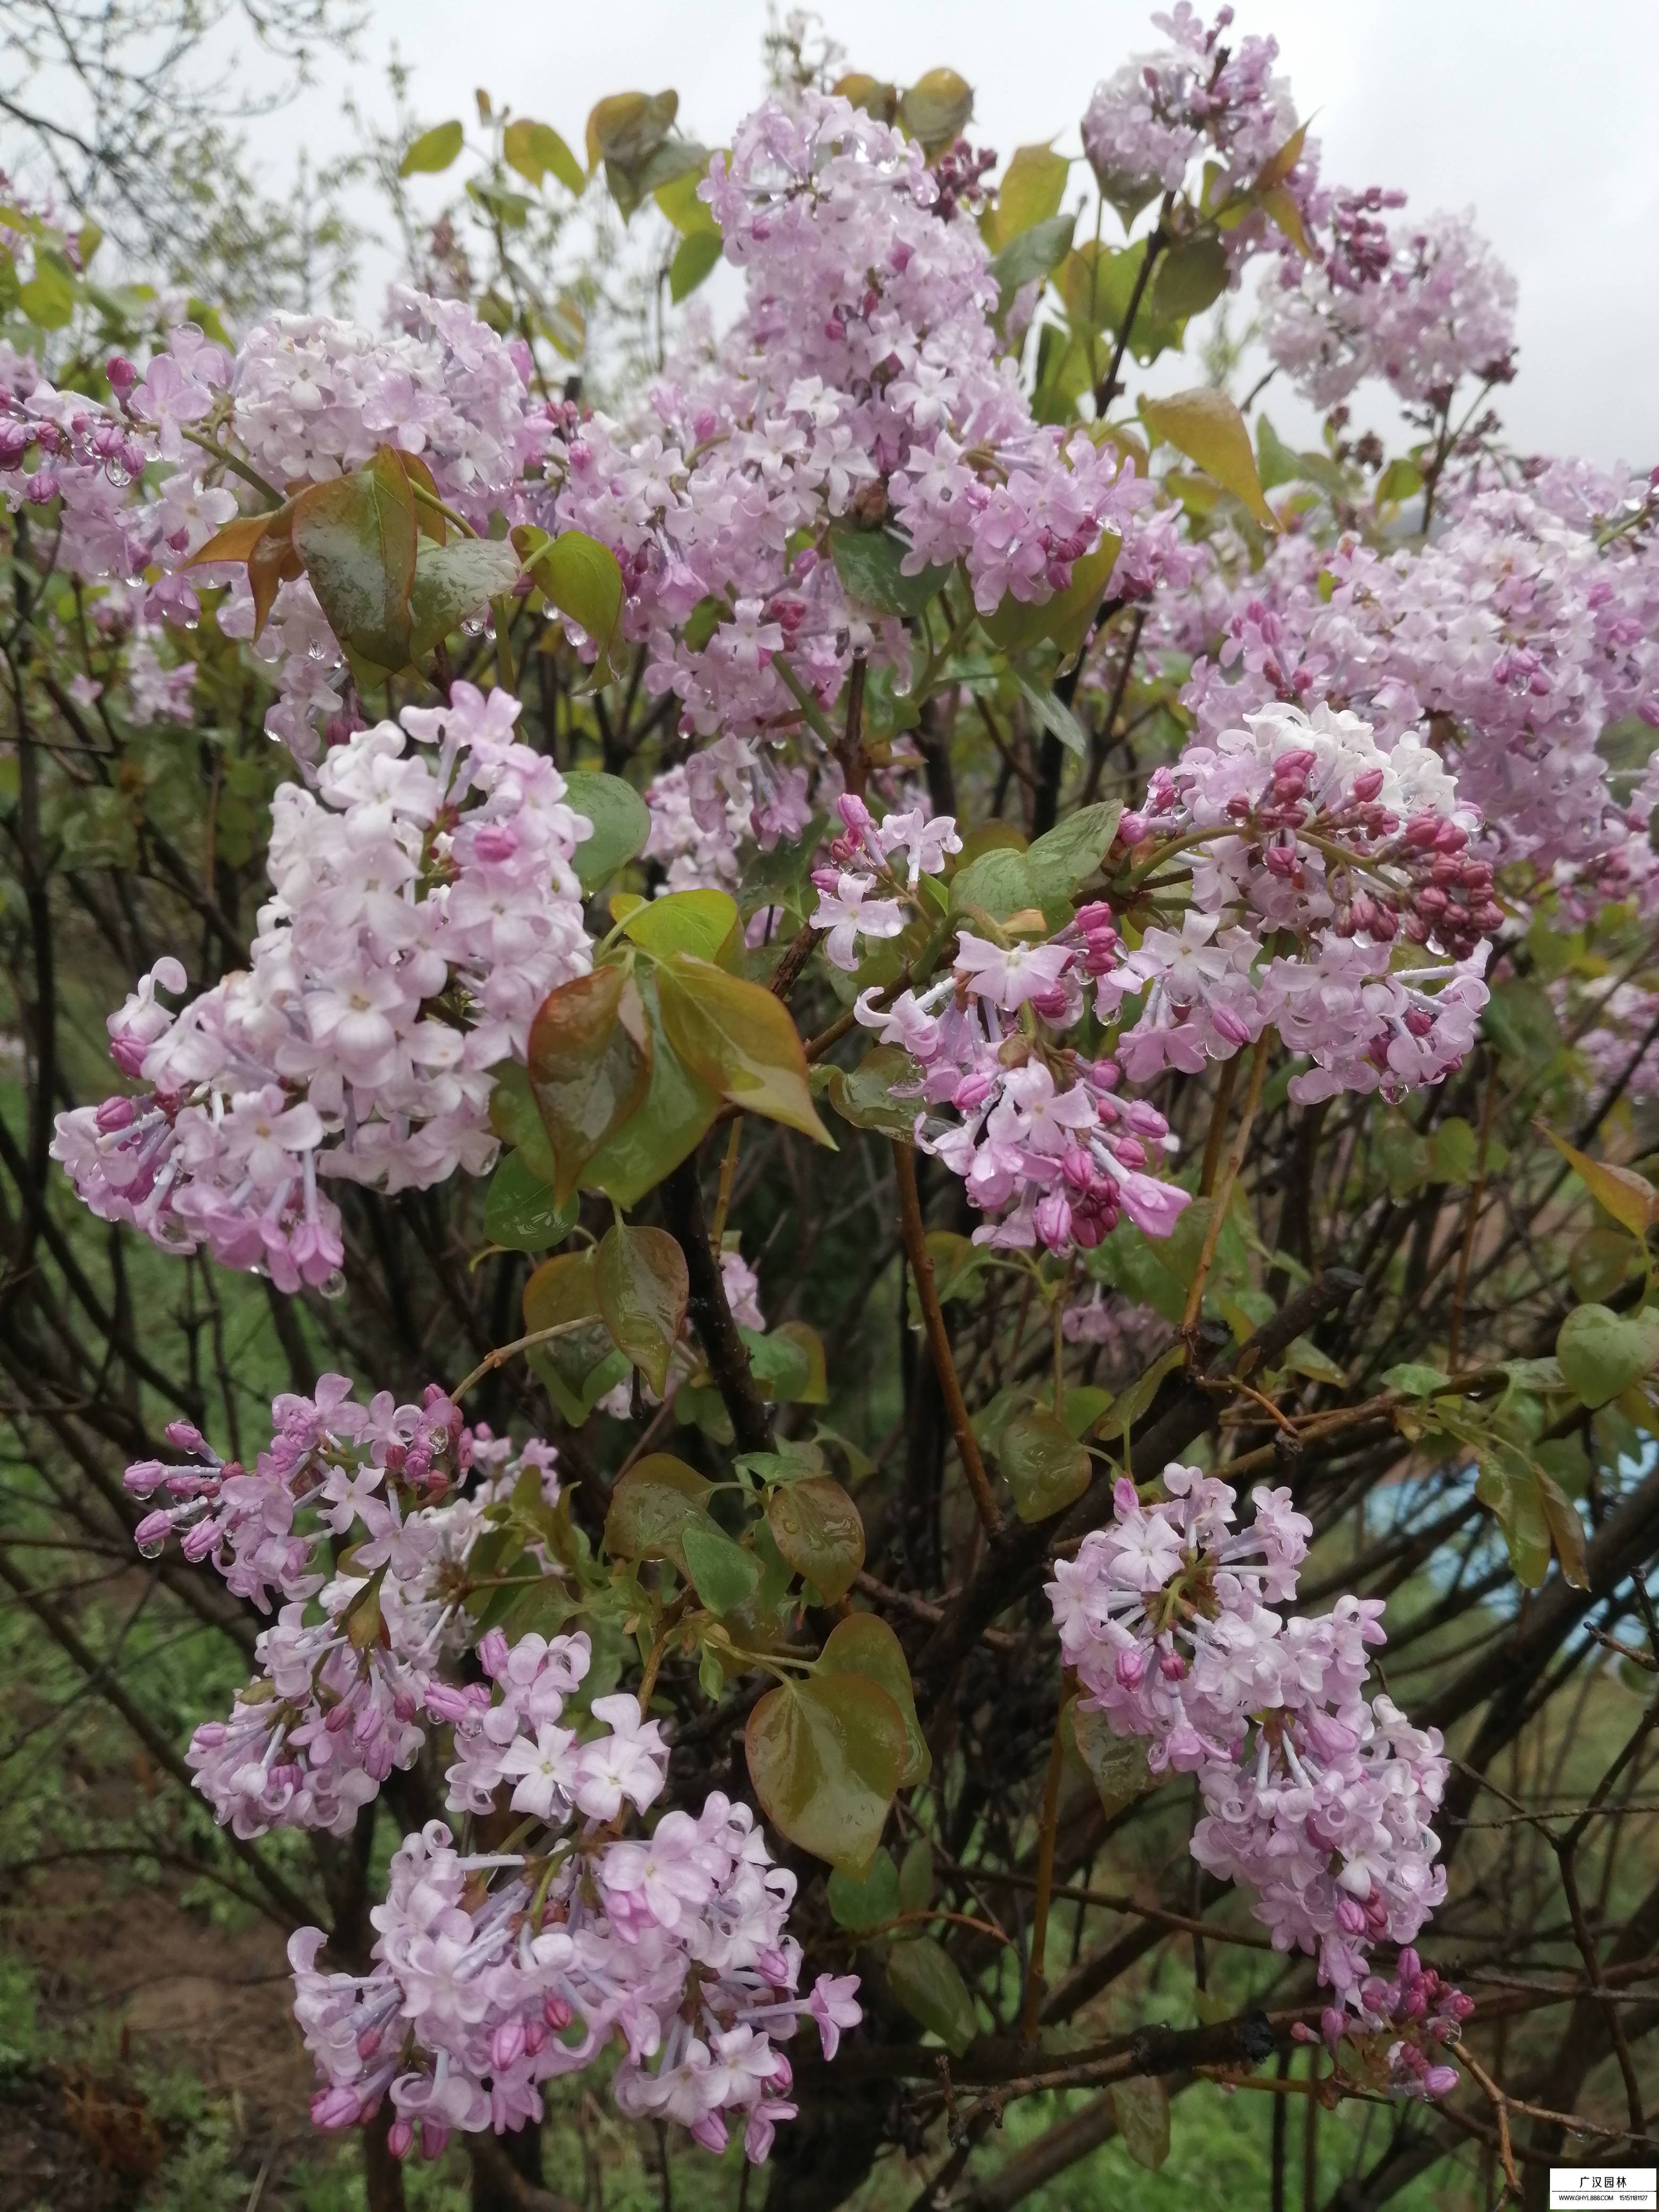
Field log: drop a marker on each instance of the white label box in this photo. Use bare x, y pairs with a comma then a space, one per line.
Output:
1586, 2188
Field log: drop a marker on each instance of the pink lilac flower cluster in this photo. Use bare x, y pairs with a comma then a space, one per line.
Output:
864, 380
1299, 831
1039, 1137
1515, 638
674, 1943
1405, 2025
497, 1972
424, 907
348, 1672
1159, 112
1441, 309
728, 794
1316, 1796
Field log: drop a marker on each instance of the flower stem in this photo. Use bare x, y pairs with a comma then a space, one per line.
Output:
921, 1267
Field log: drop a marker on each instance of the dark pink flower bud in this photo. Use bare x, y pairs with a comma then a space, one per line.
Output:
1367, 786
121, 373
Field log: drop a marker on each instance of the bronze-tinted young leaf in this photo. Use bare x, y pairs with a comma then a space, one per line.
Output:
1205, 426
640, 1275
863, 1643
235, 542
672, 1121
272, 563
590, 1065
1567, 1529
1141, 2107
357, 537
652, 1506
816, 1527
739, 1040
1046, 1468
453, 581
825, 1757
928, 1983
562, 1291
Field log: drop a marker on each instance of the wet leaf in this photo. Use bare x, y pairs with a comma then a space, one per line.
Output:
915, 1876
817, 1529
863, 1643
825, 1757
936, 109
1630, 1198
1032, 187
357, 536
1205, 426
582, 580
1191, 276
725, 1574
736, 1037
695, 258
870, 565
641, 1280
1047, 1467
521, 1212
453, 582
864, 1094
651, 1507
1117, 1764
628, 126
671, 1123
590, 1066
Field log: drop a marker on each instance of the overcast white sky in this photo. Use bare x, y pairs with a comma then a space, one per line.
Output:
1541, 117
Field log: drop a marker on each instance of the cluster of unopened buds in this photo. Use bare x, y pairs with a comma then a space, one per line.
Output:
1402, 2025
1043, 1141
1315, 1795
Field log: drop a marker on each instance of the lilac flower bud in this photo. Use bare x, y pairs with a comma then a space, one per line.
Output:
334, 2108
186, 1437
400, 2137
121, 373
1440, 2080
1053, 1221
117, 1114
1367, 785
151, 1535
494, 1653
